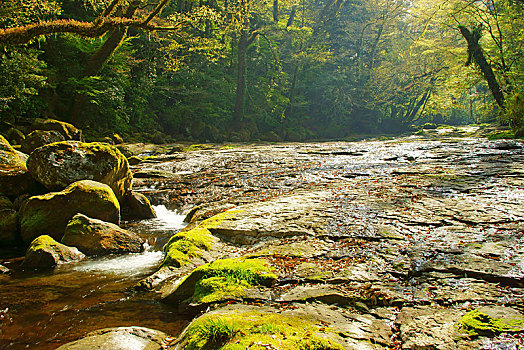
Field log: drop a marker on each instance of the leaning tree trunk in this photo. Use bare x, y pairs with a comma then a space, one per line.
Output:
475, 54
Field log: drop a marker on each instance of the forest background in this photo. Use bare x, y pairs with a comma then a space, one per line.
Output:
245, 70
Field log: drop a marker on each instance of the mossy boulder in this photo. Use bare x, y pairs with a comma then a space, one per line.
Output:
68, 131
59, 164
8, 223
14, 177
96, 237
136, 206
239, 327
492, 320
45, 252
221, 280
15, 136
39, 138
50, 213
186, 245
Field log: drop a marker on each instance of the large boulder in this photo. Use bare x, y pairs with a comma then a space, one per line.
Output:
39, 138
96, 237
14, 177
136, 206
50, 213
59, 164
45, 252
8, 223
67, 130
121, 338
15, 136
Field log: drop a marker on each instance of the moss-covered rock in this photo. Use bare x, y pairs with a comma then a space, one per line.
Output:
251, 328
136, 206
14, 177
39, 138
490, 320
8, 223
59, 164
50, 213
15, 136
96, 237
184, 246
45, 252
68, 131
221, 280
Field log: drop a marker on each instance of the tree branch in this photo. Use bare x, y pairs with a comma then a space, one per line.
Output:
156, 11
109, 10
24, 34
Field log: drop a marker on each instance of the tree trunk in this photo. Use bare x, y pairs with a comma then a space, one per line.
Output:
238, 113
475, 54
419, 104
275, 11
98, 60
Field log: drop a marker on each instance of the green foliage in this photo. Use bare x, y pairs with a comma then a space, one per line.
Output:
334, 71
21, 75
514, 113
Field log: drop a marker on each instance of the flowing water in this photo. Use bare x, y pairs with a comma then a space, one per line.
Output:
44, 310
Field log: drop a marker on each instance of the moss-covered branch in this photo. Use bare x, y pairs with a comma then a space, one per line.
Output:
24, 34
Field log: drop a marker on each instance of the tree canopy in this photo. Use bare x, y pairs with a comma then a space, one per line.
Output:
251, 69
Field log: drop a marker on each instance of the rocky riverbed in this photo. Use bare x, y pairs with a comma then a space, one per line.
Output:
411, 243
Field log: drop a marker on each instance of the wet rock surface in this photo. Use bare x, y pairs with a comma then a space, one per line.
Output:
14, 177
96, 237
44, 252
414, 232
120, 338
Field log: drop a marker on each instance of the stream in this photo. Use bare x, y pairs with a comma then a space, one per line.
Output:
45, 310
411, 185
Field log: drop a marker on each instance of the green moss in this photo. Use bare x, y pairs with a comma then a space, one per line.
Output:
226, 278
501, 135
184, 246
41, 242
197, 147
478, 323
242, 330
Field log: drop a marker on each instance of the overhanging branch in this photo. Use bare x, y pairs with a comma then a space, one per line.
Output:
24, 34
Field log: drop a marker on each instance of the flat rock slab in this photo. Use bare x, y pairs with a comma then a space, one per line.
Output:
121, 338
427, 327
301, 214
